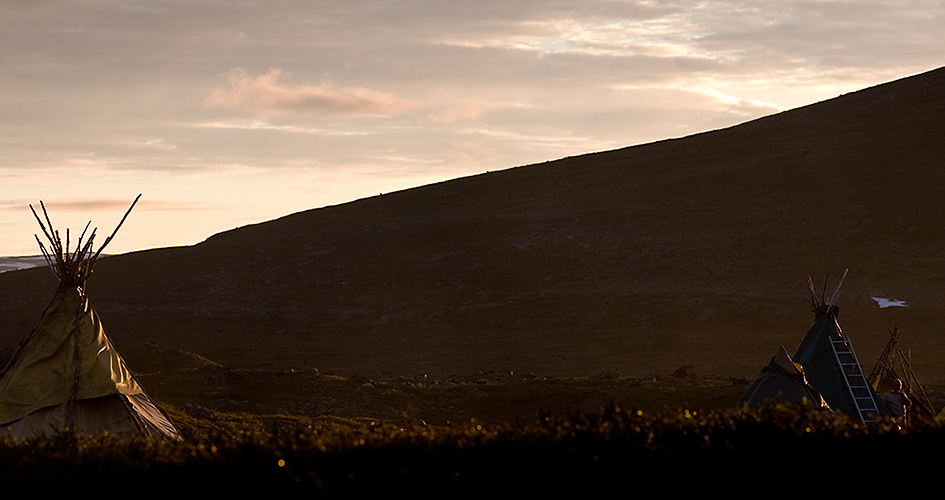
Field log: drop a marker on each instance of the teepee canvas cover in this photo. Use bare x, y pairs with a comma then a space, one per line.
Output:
66, 375
821, 364
783, 378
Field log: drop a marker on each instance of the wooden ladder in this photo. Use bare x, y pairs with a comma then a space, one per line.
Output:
859, 388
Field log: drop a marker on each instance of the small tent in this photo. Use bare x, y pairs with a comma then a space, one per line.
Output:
67, 375
831, 364
784, 379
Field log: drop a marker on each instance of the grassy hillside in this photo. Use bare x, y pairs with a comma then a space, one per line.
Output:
686, 251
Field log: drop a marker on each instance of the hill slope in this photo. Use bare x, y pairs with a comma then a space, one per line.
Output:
687, 251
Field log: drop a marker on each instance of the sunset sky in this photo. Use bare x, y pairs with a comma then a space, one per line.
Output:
226, 113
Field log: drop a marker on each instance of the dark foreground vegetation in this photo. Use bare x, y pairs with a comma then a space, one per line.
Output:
614, 449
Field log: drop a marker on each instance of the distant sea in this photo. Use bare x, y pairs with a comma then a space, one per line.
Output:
15, 263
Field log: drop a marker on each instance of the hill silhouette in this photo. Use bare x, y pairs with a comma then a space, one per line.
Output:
691, 251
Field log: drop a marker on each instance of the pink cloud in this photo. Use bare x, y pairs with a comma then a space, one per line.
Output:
470, 110
265, 94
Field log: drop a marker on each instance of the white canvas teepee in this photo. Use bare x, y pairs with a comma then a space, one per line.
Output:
67, 375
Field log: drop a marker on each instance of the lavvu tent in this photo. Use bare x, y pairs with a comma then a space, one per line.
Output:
66, 375
783, 379
831, 365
